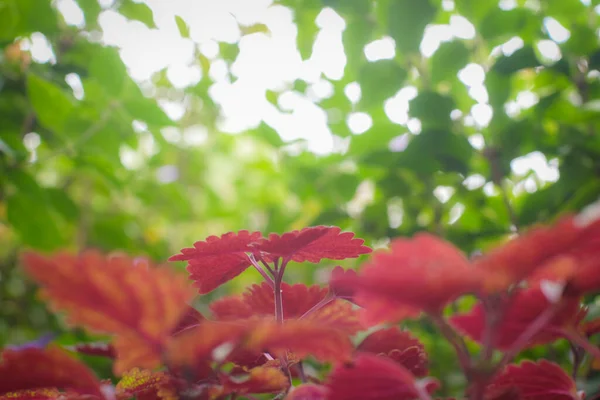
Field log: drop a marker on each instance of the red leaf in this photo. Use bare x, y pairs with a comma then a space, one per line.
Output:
338, 314
520, 311
520, 257
543, 380
303, 338
424, 273
371, 377
190, 319
50, 368
314, 244
217, 260
116, 295
256, 380
146, 385
398, 345
337, 287
258, 300
308, 391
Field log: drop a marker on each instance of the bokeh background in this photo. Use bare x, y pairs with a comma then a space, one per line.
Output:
143, 126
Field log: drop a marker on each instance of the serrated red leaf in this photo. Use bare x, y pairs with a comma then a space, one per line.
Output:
371, 377
256, 380
308, 391
543, 380
117, 295
399, 346
313, 244
517, 259
217, 260
258, 300
421, 274
303, 338
146, 385
521, 310
52, 368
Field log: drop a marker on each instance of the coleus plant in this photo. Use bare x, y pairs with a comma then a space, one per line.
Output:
258, 344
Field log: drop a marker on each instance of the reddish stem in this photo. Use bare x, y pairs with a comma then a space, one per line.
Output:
581, 341
456, 341
535, 327
325, 301
268, 279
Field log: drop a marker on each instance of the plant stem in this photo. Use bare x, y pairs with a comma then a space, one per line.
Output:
268, 279
326, 300
456, 341
267, 267
535, 327
581, 341
278, 300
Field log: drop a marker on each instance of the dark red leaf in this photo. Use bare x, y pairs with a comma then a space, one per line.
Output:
371, 377
398, 345
50, 368
520, 311
543, 380
217, 260
314, 244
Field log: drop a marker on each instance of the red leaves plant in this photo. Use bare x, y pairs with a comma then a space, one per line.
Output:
219, 259
278, 338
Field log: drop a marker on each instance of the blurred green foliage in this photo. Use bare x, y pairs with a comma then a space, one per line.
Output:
64, 182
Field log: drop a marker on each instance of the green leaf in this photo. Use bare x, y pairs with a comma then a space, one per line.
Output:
143, 108
356, 35
435, 150
380, 80
407, 22
498, 87
355, 7
91, 10
266, 133
62, 203
184, 29
474, 10
448, 59
500, 25
567, 12
9, 19
137, 12
32, 221
523, 58
582, 42
51, 104
433, 109
109, 70
307, 30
